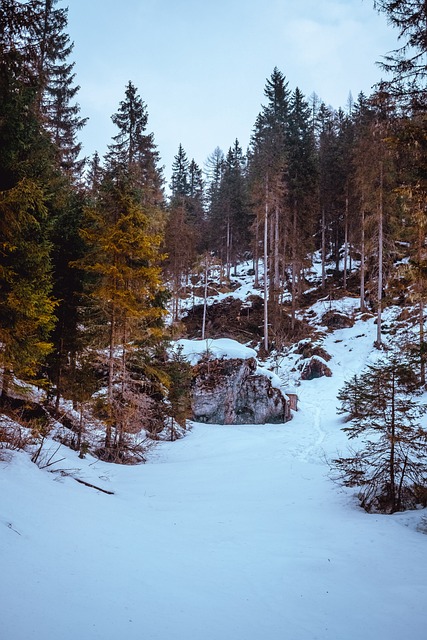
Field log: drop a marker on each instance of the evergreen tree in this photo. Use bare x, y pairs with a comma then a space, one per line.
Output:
186, 222
267, 177
57, 92
302, 188
133, 151
327, 144
123, 260
214, 171
408, 62
180, 184
26, 174
390, 466
195, 203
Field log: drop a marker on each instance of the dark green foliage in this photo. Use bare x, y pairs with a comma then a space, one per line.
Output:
133, 155
180, 184
180, 376
407, 63
26, 182
390, 462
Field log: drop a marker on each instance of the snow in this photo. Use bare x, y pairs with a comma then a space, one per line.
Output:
195, 350
232, 532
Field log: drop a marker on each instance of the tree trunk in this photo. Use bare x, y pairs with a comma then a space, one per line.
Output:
256, 255
228, 249
205, 298
7, 379
362, 263
323, 249
266, 266
380, 255
294, 265
420, 299
345, 243
110, 379
392, 445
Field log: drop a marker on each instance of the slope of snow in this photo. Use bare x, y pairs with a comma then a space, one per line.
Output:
232, 532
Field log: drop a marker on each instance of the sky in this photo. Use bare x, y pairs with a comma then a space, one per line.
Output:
201, 67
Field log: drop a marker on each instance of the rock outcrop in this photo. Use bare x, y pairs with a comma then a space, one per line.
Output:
315, 367
231, 392
336, 320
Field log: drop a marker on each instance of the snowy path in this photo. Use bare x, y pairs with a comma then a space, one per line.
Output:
231, 533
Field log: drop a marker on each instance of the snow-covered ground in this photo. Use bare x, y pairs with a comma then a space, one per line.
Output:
232, 533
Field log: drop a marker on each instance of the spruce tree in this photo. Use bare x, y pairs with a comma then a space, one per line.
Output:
186, 222
122, 258
407, 63
26, 179
302, 188
57, 91
180, 183
390, 462
267, 178
235, 222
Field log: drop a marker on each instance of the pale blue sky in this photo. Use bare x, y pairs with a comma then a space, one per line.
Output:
201, 66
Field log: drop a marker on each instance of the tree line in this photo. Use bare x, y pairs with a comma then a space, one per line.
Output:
92, 251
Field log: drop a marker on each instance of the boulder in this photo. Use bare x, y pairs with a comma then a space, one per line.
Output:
315, 367
231, 392
337, 320
307, 349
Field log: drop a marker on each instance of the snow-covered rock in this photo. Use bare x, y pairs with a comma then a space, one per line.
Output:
196, 350
230, 391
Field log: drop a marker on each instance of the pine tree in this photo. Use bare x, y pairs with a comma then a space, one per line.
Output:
26, 174
214, 169
302, 187
232, 223
267, 166
390, 466
57, 92
195, 204
407, 63
186, 222
122, 258
180, 184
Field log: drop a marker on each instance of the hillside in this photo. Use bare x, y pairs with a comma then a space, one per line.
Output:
230, 532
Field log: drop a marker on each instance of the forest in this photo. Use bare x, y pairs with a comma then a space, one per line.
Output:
97, 254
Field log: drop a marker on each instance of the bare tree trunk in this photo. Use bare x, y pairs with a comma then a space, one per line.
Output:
380, 255
392, 471
110, 379
420, 243
205, 297
228, 249
276, 251
323, 249
256, 255
294, 265
266, 266
271, 260
345, 243
362, 263
422, 356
